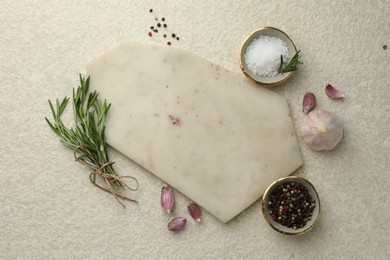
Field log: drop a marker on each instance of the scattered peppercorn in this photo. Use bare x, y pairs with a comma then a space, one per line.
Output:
161, 25
385, 47
291, 205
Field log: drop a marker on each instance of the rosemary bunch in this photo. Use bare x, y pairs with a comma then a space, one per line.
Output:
87, 138
291, 65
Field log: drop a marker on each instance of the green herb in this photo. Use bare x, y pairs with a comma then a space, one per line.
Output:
87, 138
291, 65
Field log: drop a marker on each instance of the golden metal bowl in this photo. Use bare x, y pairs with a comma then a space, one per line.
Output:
282, 229
272, 32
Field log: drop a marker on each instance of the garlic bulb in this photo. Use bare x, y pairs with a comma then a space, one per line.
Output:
322, 130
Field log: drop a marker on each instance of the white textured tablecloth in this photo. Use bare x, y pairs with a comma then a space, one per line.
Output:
48, 208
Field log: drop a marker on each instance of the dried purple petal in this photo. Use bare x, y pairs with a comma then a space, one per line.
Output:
309, 102
194, 211
332, 92
167, 199
177, 224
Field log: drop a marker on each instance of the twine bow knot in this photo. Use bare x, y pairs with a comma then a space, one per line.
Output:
113, 180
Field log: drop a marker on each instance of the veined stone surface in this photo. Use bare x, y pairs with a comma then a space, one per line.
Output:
207, 132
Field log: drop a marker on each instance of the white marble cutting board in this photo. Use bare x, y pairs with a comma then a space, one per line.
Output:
206, 131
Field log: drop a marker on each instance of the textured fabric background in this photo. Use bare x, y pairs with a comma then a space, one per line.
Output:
48, 208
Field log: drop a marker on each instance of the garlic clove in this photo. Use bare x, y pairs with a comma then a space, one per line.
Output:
194, 211
177, 224
309, 102
322, 130
167, 198
332, 92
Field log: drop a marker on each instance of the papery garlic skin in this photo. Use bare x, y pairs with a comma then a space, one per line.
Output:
322, 130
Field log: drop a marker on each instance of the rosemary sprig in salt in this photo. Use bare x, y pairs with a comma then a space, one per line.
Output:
87, 138
291, 65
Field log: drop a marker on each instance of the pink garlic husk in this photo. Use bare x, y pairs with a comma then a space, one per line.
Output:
309, 102
194, 211
177, 224
332, 92
322, 130
167, 199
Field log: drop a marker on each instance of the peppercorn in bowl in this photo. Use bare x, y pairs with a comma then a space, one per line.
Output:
268, 56
291, 205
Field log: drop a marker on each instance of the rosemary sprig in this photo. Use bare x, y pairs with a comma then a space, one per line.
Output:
87, 138
291, 65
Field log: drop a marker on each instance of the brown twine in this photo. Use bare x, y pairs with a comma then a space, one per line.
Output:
108, 178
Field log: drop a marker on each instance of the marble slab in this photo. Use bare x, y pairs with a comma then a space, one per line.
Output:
208, 132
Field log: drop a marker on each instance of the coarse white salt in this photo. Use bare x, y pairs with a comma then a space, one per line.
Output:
262, 56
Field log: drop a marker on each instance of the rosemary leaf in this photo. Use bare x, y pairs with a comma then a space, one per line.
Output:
291, 65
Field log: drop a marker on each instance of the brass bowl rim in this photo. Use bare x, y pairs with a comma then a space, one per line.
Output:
273, 185
242, 65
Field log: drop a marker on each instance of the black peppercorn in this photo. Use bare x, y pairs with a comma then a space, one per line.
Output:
288, 208
159, 25
173, 35
151, 11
